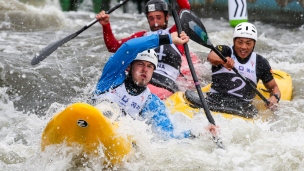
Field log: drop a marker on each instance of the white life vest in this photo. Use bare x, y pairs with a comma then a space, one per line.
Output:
169, 58
130, 104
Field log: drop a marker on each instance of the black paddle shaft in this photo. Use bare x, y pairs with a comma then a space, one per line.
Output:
196, 82
195, 29
52, 47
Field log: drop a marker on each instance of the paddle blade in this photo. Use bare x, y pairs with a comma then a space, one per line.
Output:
194, 28
50, 49
218, 142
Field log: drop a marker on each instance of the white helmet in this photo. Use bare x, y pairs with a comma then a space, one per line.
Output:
246, 30
148, 55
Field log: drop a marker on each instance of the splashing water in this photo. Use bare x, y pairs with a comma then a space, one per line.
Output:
31, 95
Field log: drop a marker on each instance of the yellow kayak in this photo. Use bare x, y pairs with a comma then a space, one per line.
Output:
83, 124
178, 101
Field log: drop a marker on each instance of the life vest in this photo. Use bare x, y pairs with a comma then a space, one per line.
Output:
228, 82
132, 105
169, 58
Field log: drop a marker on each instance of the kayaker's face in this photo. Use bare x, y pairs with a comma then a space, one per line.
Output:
243, 46
142, 72
157, 20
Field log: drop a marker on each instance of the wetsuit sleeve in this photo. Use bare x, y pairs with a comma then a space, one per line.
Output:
183, 4
263, 69
156, 113
226, 51
111, 42
113, 73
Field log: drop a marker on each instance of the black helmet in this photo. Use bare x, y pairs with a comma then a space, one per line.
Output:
157, 5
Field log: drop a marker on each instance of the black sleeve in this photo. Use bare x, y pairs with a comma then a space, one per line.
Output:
164, 39
224, 49
263, 69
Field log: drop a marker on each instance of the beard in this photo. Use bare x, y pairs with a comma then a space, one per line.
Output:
141, 83
133, 87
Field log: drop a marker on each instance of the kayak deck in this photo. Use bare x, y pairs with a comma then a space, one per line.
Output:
83, 124
179, 103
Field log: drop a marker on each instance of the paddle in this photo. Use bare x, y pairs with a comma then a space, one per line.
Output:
216, 139
195, 29
52, 47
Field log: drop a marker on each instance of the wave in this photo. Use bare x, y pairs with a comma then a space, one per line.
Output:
18, 16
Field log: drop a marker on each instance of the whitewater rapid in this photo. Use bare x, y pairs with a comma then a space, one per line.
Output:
31, 95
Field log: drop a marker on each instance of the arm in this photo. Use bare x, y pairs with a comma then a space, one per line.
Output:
155, 112
264, 73
111, 42
183, 4
274, 88
215, 60
113, 73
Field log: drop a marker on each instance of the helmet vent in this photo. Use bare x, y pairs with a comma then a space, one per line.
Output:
245, 30
156, 5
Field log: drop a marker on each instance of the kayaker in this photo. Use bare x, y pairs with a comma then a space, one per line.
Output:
163, 82
230, 91
129, 90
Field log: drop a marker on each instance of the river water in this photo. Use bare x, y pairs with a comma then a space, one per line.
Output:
31, 95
